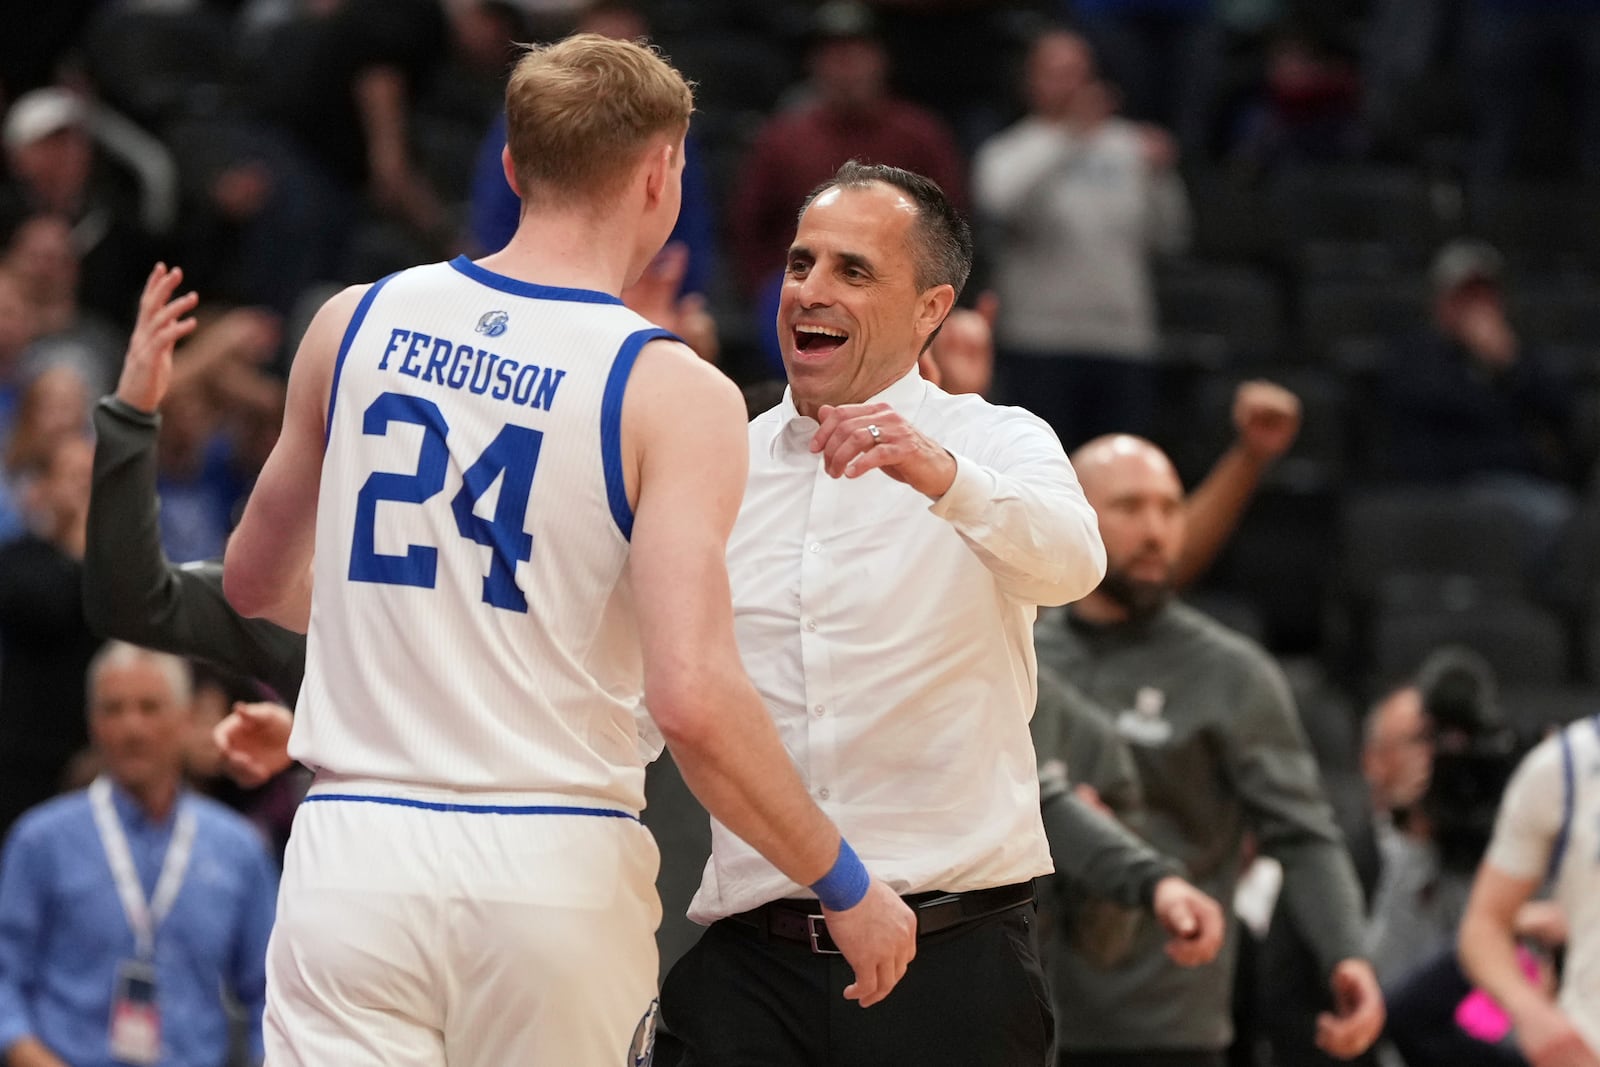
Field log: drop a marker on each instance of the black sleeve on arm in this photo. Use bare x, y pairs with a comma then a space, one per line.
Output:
1276, 775
133, 593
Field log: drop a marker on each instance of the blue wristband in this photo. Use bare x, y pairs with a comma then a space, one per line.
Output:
845, 883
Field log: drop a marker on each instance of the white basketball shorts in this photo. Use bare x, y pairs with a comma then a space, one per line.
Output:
424, 928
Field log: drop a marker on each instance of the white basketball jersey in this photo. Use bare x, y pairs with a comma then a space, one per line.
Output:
471, 621
1577, 878
1549, 824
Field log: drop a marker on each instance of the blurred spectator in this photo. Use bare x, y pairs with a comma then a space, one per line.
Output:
1546, 831
16, 333
1457, 746
58, 168
848, 113
1469, 403
211, 449
1076, 201
963, 350
1309, 108
495, 204
54, 407
45, 643
87, 977
1163, 53
1211, 725
1396, 756
1516, 50
41, 254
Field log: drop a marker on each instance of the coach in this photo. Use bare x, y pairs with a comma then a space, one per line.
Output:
889, 556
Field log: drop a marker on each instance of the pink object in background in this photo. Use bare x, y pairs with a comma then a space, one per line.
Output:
1478, 1014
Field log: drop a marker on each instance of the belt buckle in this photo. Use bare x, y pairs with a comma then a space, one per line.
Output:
815, 930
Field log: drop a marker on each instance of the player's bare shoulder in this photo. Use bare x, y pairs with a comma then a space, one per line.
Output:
683, 410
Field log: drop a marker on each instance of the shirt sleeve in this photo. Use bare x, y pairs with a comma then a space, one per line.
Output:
1009, 171
256, 913
24, 871
1017, 503
132, 592
1276, 775
1096, 854
1530, 814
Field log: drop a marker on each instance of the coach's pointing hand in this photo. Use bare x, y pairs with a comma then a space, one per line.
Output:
878, 938
856, 438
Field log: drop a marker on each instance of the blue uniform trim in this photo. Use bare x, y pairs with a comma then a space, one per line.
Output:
474, 809
344, 349
484, 276
1568, 801
611, 424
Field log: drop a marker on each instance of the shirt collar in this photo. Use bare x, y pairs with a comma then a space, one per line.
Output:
132, 813
793, 431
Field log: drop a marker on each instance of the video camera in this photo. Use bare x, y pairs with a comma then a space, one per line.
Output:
1475, 753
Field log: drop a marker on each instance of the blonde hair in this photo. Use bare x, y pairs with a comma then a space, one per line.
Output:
579, 113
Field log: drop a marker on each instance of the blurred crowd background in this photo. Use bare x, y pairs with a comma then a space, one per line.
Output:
1387, 207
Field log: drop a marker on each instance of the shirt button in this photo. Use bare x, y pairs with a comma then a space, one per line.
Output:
818, 710
815, 546
811, 624
822, 794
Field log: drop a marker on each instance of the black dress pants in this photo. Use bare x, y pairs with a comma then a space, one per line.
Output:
974, 996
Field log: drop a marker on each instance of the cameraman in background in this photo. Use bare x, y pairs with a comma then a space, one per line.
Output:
1428, 861
1436, 1019
1548, 830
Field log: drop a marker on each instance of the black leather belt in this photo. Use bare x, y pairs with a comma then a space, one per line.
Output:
803, 921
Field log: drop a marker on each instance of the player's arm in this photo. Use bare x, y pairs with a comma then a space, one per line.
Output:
267, 570
1513, 867
685, 443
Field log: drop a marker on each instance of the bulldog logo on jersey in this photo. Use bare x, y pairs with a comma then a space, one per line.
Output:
643, 1049
493, 323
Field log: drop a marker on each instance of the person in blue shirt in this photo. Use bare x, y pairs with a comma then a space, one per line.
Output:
129, 910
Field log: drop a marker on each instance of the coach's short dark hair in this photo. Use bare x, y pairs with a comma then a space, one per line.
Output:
941, 238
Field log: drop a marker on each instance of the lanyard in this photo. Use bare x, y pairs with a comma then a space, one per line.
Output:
143, 916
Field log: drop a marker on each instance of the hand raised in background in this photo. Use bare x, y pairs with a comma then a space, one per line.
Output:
162, 323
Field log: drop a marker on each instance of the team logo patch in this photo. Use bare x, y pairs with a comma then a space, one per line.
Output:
493, 323
1144, 724
642, 1051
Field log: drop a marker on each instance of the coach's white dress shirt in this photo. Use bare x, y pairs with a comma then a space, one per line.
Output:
892, 639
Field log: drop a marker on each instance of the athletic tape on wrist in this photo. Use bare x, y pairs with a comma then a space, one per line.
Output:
845, 883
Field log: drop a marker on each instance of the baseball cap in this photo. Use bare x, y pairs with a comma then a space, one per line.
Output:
41, 112
1466, 260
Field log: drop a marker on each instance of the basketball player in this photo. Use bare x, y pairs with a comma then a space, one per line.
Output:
1548, 826
518, 494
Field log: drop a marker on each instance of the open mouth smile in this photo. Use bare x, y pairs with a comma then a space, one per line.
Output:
818, 341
